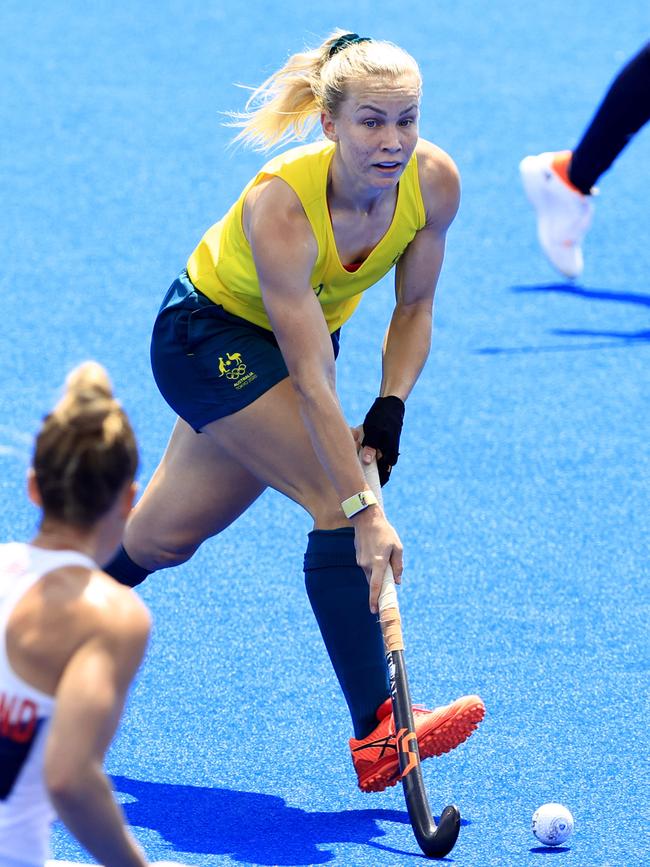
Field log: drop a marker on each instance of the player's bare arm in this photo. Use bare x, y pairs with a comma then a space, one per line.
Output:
285, 250
408, 338
90, 700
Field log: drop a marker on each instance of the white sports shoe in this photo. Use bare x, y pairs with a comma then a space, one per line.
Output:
563, 215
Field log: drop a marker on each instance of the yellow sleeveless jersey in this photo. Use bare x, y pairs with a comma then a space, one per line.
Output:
222, 265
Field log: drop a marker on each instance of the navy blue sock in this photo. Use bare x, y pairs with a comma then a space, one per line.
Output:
124, 570
338, 593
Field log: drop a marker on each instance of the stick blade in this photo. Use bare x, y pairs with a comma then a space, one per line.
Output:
443, 839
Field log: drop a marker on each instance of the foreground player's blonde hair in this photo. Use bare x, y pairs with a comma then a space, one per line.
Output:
288, 104
85, 451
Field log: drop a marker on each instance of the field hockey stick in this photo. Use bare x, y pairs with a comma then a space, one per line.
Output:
436, 841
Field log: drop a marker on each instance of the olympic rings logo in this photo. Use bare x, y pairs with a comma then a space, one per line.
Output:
235, 372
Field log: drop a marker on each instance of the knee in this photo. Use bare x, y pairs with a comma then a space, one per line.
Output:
166, 556
154, 553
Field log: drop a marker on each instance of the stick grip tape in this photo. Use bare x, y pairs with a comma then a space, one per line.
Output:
389, 616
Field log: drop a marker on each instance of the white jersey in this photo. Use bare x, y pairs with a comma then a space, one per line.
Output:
25, 810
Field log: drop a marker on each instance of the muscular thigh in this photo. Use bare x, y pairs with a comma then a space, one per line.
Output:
206, 480
196, 491
269, 439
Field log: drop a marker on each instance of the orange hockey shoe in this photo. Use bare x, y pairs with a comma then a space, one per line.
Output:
438, 731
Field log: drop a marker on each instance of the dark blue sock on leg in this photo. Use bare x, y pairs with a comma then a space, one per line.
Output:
124, 570
338, 593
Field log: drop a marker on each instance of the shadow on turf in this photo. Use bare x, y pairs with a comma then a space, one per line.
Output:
586, 292
550, 850
614, 338
250, 827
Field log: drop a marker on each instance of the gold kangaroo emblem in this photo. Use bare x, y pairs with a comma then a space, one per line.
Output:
233, 367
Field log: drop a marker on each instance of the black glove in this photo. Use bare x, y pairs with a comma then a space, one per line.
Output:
382, 427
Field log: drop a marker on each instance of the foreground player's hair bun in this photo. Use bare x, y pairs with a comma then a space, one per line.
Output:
85, 451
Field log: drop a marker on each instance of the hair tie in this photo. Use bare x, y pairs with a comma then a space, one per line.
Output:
345, 40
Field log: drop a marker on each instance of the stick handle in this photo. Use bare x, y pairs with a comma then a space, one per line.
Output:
389, 616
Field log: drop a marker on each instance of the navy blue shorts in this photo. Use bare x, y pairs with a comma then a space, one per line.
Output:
207, 362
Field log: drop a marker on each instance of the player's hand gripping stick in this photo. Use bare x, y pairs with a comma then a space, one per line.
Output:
436, 841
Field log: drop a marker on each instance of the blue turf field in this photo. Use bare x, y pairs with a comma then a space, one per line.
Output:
522, 490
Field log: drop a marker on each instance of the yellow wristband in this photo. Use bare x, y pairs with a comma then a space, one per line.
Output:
357, 503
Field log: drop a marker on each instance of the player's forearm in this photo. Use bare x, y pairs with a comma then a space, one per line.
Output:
88, 809
406, 349
332, 439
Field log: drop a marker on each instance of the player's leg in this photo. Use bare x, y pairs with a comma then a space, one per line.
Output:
195, 493
623, 111
196, 490
558, 183
337, 587
205, 480
284, 458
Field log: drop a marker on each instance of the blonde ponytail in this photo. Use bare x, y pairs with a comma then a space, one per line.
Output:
287, 106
